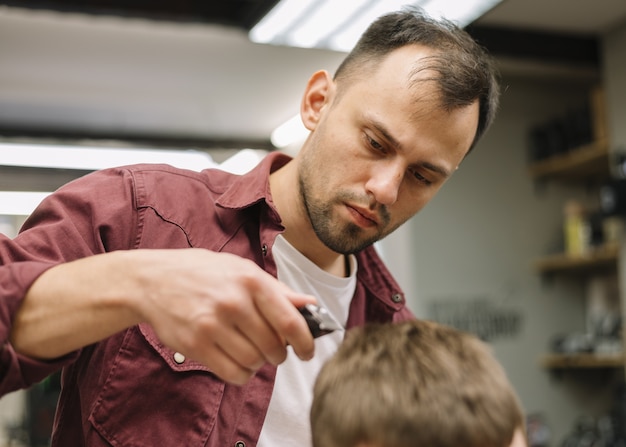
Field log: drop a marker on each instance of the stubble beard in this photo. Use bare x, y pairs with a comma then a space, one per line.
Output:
346, 238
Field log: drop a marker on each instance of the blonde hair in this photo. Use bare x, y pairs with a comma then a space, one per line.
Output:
413, 384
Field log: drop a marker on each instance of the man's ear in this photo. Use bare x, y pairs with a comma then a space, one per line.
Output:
318, 93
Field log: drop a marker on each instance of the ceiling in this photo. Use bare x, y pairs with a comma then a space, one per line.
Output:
238, 13
183, 73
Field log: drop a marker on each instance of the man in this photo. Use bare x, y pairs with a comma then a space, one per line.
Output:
170, 297
414, 384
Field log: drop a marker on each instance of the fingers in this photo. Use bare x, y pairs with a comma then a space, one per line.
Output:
227, 368
253, 340
280, 310
235, 352
269, 322
229, 314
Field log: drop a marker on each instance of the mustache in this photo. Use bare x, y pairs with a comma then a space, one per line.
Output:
368, 202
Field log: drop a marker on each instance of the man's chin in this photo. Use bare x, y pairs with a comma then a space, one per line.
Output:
347, 245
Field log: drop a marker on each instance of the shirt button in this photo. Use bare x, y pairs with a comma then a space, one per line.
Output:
240, 444
179, 358
264, 249
396, 298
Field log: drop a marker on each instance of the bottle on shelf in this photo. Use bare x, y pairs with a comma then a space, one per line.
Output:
577, 229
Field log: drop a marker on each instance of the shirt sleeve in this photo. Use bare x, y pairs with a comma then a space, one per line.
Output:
93, 214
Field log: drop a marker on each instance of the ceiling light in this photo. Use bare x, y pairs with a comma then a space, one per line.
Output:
346, 37
242, 161
338, 25
20, 203
462, 12
291, 131
94, 158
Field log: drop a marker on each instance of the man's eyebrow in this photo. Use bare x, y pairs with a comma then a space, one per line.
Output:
380, 127
438, 169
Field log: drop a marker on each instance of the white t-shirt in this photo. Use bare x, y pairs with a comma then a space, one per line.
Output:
287, 420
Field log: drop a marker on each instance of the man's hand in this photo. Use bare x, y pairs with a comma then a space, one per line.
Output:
216, 308
222, 310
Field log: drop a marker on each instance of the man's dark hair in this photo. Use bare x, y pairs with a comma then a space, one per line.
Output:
462, 69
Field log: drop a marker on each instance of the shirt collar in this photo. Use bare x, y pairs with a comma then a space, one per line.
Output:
253, 186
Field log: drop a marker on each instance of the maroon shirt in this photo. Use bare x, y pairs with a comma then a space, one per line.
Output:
128, 390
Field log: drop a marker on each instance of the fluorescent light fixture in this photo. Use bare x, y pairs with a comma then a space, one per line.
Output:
20, 203
328, 15
94, 158
279, 19
337, 25
243, 161
462, 12
346, 37
289, 132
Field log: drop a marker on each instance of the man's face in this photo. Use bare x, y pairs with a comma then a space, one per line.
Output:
379, 152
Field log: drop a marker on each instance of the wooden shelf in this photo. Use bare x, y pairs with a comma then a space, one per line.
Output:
573, 361
599, 258
585, 163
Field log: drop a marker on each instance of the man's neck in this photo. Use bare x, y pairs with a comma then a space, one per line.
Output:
298, 230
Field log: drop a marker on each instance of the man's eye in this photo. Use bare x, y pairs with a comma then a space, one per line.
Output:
375, 144
420, 177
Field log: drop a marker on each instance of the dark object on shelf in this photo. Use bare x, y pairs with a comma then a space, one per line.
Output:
561, 134
572, 343
583, 435
613, 197
619, 413
596, 228
589, 432
547, 140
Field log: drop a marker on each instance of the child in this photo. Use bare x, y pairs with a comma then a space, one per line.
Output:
414, 384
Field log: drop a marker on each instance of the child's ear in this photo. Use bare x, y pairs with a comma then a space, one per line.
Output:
318, 93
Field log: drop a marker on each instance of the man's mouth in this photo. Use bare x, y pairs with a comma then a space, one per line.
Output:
363, 217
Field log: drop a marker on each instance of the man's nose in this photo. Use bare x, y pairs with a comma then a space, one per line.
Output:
385, 181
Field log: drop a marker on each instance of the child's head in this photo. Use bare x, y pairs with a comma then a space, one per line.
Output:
414, 384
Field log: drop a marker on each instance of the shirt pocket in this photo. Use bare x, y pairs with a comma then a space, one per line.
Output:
153, 396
